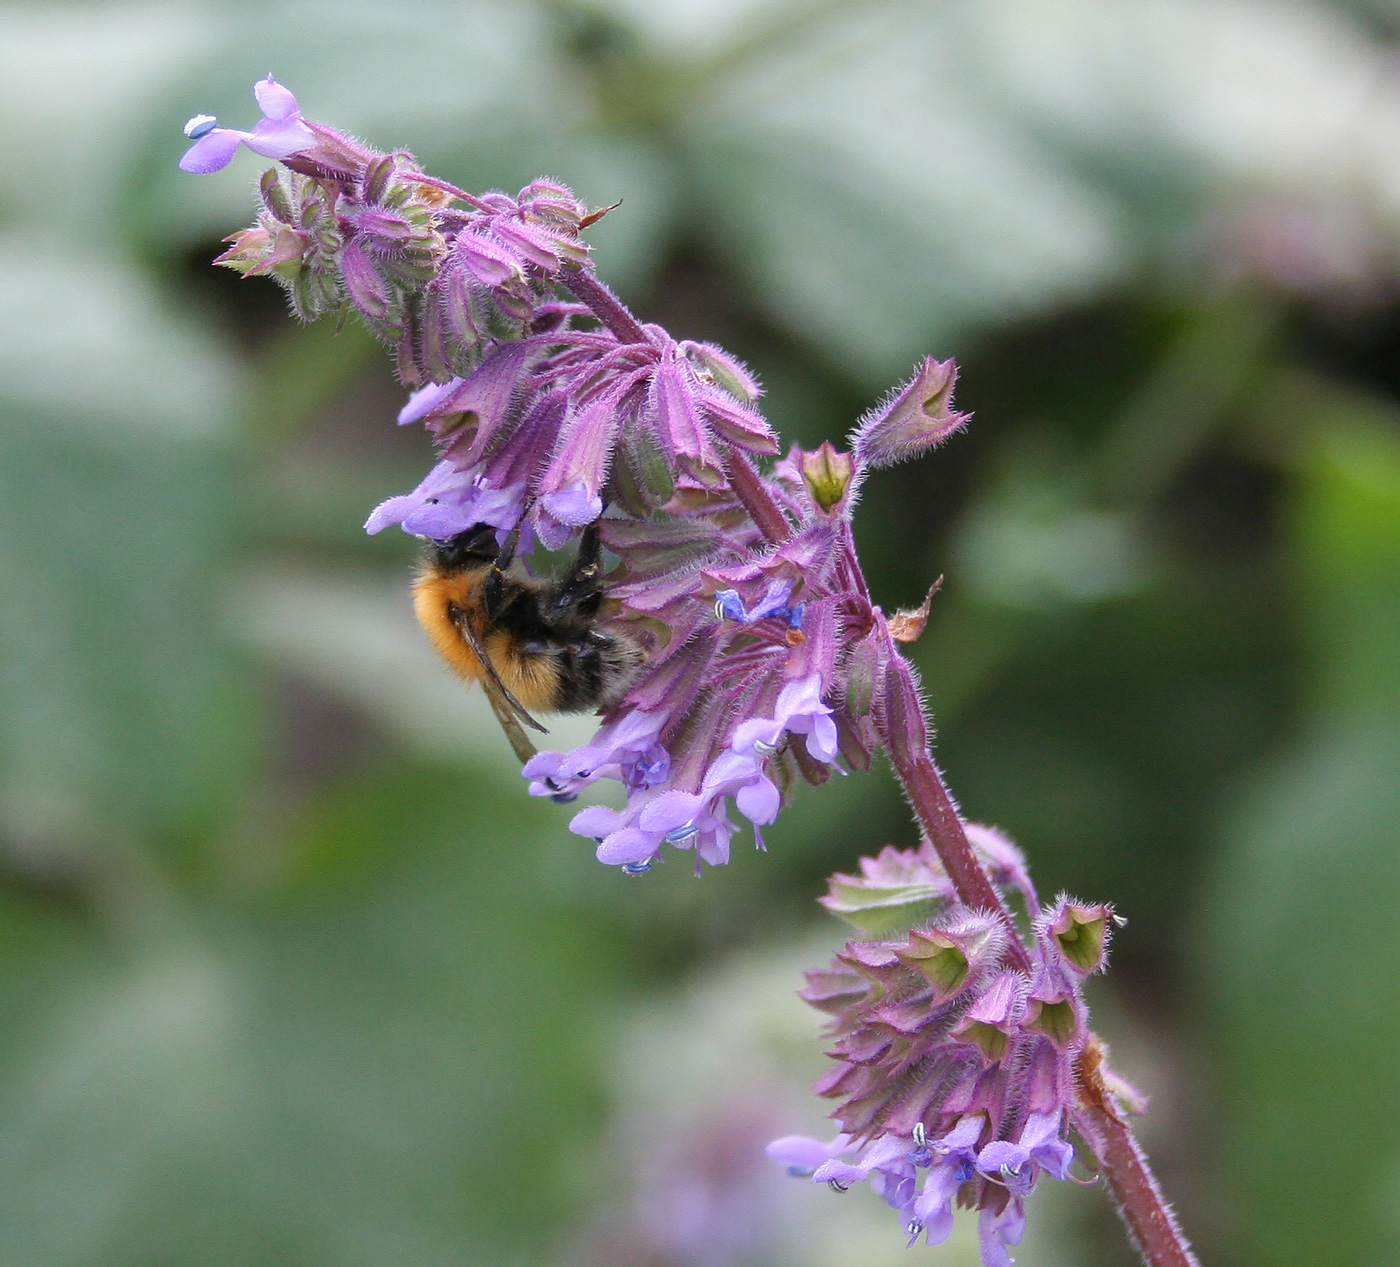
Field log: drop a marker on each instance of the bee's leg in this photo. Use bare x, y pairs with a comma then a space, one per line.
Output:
578, 592
493, 593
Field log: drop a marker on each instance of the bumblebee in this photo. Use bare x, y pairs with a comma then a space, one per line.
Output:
531, 643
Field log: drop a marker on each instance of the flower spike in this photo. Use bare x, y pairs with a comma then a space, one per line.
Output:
715, 613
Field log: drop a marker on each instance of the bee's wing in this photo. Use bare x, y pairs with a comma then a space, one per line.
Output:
510, 712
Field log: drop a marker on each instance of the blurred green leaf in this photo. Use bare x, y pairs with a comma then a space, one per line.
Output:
118, 700
1300, 936
372, 1070
873, 210
1034, 539
78, 84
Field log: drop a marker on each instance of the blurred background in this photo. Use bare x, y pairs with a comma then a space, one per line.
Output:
293, 972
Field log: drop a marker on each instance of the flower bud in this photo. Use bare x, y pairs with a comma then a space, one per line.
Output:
714, 365
274, 197
827, 474
257, 251
900, 711
368, 290
916, 417
862, 668
383, 230
377, 176
462, 315
248, 250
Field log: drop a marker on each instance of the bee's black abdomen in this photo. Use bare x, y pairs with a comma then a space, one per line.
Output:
588, 673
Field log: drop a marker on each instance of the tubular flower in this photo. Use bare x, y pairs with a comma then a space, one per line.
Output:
280, 133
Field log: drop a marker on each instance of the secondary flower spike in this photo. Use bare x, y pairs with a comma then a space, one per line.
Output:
712, 607
957, 1074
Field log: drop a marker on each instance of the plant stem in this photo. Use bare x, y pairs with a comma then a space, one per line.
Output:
904, 734
436, 182
1151, 1225
748, 487
1144, 1211
606, 306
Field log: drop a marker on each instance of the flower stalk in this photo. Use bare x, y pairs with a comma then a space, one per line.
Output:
748, 486
606, 306
904, 734
1148, 1217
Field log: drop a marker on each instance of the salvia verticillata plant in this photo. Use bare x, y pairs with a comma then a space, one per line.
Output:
964, 1064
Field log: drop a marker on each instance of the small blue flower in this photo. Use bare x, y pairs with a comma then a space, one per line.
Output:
729, 605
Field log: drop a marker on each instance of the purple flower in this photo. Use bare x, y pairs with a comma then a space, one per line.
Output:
997, 1229
912, 419
889, 1157
625, 749
916, 1174
563, 512
449, 501
800, 711
279, 134
482, 413
802, 1154
1040, 1146
729, 605
952, 1162
657, 815
687, 820
428, 401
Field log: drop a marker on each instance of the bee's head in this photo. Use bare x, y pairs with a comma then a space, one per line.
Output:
473, 547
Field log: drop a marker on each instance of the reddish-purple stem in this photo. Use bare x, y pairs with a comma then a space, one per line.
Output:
604, 305
1143, 1209
905, 738
1151, 1224
748, 485
436, 182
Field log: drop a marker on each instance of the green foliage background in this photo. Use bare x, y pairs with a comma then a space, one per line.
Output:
291, 971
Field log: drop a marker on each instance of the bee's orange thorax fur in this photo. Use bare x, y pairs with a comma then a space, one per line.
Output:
532, 679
